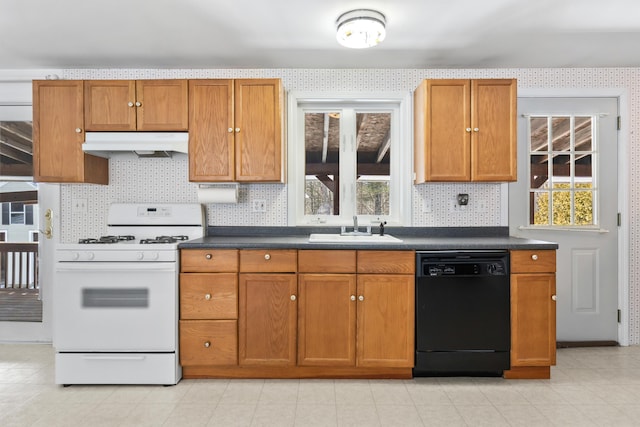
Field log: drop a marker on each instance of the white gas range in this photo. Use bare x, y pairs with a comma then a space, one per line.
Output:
115, 299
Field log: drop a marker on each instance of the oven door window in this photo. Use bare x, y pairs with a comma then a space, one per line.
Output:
115, 298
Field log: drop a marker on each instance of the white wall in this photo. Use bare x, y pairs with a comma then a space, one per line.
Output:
165, 180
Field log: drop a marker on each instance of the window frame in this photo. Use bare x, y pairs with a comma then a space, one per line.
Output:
399, 104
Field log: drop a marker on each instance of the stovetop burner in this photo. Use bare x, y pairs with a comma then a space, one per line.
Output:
164, 239
106, 239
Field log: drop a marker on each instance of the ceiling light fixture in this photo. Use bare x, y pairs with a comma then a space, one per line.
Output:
361, 28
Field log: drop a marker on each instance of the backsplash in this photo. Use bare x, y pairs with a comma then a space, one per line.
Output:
165, 180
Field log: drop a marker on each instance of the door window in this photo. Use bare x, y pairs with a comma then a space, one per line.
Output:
562, 175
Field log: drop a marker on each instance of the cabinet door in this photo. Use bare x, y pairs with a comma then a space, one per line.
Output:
110, 105
267, 319
385, 325
258, 130
211, 134
58, 135
163, 105
442, 130
208, 296
327, 320
493, 143
533, 320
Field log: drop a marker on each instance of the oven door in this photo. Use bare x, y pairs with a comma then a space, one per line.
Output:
115, 307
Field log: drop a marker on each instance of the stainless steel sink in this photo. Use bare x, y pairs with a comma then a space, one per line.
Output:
339, 238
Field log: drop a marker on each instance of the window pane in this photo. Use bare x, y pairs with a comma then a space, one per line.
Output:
561, 168
539, 134
16, 148
584, 208
583, 168
539, 170
561, 206
583, 134
322, 163
540, 208
561, 134
373, 156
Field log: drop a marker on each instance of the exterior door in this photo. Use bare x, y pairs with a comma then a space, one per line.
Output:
567, 193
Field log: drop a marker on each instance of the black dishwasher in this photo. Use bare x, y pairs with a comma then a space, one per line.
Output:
463, 322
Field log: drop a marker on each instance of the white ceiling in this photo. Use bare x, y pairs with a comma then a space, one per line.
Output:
301, 34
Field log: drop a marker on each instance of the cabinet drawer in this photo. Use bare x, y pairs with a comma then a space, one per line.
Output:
326, 261
543, 261
268, 261
208, 296
209, 260
208, 342
387, 262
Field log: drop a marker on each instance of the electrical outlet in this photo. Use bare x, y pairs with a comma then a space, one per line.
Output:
79, 206
427, 207
259, 205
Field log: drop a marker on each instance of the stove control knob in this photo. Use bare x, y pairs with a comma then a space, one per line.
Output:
75, 256
90, 255
140, 256
155, 255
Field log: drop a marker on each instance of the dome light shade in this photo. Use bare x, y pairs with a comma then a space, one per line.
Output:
361, 28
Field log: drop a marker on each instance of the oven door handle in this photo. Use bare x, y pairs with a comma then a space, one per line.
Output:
115, 357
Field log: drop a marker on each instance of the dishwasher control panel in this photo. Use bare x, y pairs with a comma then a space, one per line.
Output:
462, 265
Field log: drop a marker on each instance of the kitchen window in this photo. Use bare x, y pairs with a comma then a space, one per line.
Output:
348, 156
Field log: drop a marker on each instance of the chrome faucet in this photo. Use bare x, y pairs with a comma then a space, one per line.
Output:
356, 230
355, 223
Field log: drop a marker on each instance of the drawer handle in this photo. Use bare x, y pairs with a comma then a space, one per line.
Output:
554, 297
534, 257
208, 256
267, 257
293, 297
353, 297
361, 298
207, 297
207, 344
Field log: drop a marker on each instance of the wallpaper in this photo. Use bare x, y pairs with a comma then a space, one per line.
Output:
165, 180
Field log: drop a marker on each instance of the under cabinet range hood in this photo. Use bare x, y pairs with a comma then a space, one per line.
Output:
143, 144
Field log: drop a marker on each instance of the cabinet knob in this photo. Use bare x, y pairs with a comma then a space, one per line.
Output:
208, 256
353, 297
130, 104
207, 344
267, 257
138, 104
230, 130
476, 129
554, 297
293, 297
361, 298
468, 129
207, 297
534, 257
237, 130
78, 130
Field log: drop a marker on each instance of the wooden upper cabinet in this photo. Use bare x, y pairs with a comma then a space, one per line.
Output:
258, 130
235, 130
211, 130
136, 105
465, 130
58, 134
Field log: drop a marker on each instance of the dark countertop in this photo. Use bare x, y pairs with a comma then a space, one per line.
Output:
413, 238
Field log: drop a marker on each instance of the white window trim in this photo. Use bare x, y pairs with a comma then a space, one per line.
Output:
401, 160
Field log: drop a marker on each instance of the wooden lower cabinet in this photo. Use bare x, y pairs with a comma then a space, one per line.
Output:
306, 314
533, 314
386, 313
267, 319
208, 342
327, 320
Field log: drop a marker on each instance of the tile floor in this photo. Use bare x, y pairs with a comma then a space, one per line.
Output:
589, 387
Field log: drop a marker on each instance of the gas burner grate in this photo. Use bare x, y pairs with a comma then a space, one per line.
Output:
164, 239
106, 239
